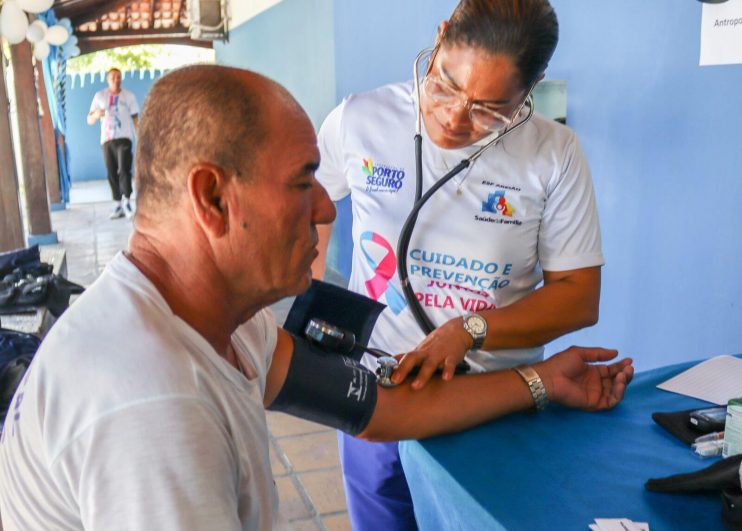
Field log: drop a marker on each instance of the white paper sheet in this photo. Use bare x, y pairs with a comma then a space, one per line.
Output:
616, 524
721, 33
715, 380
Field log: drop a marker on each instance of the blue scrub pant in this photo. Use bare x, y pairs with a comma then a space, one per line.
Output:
375, 486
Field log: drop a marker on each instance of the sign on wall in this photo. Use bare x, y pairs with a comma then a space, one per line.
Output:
721, 33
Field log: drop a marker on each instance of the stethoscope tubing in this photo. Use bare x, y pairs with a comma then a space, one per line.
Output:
423, 321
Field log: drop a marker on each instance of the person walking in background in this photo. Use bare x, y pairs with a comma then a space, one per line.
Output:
117, 110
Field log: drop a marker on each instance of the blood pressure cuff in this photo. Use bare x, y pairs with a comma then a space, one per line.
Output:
338, 306
327, 388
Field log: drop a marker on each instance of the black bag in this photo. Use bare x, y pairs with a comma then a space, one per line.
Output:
16, 351
27, 289
19, 258
678, 424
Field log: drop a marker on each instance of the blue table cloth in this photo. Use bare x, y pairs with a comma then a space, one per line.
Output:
561, 469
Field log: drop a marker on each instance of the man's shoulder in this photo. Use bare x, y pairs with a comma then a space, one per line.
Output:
128, 94
119, 335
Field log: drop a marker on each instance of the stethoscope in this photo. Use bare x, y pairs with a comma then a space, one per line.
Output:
405, 235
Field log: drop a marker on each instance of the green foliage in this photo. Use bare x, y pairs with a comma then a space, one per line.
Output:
142, 56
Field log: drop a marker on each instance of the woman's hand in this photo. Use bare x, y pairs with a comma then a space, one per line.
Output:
444, 348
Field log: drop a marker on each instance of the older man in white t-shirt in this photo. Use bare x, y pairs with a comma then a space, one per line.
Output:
117, 110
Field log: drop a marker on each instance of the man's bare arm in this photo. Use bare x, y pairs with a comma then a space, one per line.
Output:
574, 378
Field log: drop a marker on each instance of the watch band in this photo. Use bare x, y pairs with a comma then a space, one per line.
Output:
535, 385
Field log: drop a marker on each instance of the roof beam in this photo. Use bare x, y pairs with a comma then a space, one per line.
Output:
179, 31
88, 46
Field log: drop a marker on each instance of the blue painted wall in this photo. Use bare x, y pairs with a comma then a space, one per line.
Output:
292, 42
86, 160
661, 134
376, 43
663, 138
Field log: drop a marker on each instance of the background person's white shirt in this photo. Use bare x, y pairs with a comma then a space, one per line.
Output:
118, 122
128, 419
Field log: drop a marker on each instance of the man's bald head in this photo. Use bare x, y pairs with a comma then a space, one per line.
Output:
202, 113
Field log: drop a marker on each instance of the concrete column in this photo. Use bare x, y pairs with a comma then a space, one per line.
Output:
32, 158
11, 225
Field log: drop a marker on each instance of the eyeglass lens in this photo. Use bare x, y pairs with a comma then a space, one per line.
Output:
446, 95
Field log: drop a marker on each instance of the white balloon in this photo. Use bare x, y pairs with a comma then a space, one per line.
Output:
41, 50
13, 22
36, 31
57, 35
74, 51
35, 6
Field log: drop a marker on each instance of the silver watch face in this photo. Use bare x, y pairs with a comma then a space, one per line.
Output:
476, 324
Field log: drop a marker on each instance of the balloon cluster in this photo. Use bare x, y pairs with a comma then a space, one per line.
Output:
14, 27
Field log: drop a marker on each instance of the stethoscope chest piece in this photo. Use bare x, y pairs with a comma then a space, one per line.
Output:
384, 371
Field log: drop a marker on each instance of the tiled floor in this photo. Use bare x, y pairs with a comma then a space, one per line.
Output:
304, 455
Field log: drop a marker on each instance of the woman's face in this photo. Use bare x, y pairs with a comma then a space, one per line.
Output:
482, 82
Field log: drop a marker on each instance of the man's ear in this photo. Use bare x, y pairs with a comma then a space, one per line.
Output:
207, 184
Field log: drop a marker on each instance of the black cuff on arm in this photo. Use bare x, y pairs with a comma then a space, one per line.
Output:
327, 388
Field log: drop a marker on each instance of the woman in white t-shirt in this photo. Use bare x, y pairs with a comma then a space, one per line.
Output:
524, 212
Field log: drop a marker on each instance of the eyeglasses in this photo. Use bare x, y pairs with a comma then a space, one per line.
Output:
444, 94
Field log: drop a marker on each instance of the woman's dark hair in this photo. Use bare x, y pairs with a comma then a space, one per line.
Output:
525, 30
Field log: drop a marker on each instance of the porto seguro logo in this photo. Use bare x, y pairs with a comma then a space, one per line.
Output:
496, 202
382, 178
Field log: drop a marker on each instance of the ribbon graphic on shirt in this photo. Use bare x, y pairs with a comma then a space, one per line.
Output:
384, 271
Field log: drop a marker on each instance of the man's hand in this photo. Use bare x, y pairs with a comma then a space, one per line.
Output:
95, 115
571, 378
445, 347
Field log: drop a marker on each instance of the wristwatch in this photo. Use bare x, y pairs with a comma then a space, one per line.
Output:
535, 385
476, 326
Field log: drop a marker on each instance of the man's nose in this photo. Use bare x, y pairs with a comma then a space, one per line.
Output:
323, 208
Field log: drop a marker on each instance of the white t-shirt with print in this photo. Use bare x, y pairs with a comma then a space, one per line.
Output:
526, 205
128, 419
118, 122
